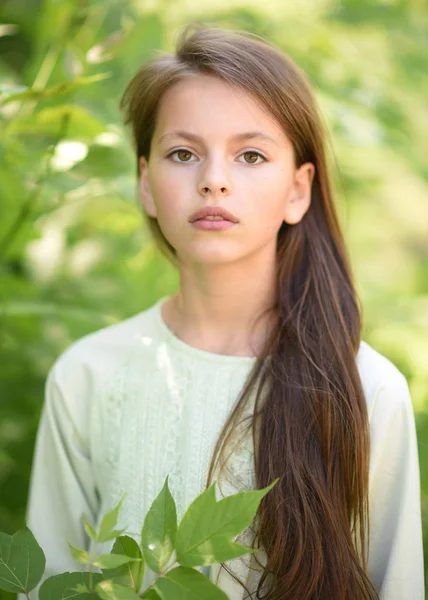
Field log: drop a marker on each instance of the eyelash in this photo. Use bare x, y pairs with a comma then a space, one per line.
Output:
246, 152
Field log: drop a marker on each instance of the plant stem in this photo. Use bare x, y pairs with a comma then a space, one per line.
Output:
90, 577
172, 561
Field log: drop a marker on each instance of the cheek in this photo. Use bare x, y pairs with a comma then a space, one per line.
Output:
169, 186
166, 196
170, 212
268, 197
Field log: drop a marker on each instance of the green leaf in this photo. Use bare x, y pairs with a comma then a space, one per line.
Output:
111, 561
106, 531
151, 594
89, 529
159, 530
108, 590
114, 533
184, 583
205, 532
131, 574
22, 561
79, 555
68, 585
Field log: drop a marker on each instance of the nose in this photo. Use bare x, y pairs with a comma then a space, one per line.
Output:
214, 179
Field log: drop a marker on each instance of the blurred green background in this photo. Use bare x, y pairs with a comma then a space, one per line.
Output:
74, 254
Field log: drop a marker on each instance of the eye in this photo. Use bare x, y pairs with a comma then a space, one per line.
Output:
184, 156
253, 154
181, 151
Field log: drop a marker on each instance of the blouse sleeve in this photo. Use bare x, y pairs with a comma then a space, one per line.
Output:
61, 482
395, 560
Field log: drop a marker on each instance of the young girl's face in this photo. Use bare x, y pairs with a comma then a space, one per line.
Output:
197, 160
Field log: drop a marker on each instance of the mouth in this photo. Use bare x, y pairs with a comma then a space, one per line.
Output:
210, 224
208, 218
213, 213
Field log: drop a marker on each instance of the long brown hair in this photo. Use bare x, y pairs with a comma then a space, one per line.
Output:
310, 426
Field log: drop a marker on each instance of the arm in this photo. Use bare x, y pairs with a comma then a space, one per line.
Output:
395, 561
61, 484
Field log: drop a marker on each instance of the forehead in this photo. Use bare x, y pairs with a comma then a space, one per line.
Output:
208, 105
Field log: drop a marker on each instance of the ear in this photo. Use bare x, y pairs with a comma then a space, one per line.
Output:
300, 196
146, 197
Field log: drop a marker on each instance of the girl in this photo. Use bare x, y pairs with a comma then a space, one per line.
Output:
254, 369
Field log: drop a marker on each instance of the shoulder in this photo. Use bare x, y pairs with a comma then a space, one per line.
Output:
394, 460
88, 364
385, 387
93, 358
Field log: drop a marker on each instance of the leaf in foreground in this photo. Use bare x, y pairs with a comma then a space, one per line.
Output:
159, 530
22, 561
132, 573
63, 586
79, 555
151, 594
108, 590
111, 561
108, 523
184, 583
90, 529
205, 534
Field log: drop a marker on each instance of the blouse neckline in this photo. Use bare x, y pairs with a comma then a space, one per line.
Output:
192, 351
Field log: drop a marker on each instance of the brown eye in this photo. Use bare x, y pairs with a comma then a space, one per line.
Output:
184, 155
253, 156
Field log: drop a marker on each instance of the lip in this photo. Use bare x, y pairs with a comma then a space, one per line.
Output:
215, 225
212, 211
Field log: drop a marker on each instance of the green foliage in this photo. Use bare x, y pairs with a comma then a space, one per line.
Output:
9, 94
183, 583
112, 591
204, 537
22, 561
158, 536
130, 574
107, 529
68, 585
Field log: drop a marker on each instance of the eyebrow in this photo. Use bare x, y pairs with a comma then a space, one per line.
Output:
239, 137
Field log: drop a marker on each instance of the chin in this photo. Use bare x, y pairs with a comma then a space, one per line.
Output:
208, 256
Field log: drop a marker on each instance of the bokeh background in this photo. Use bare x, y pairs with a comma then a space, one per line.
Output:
74, 253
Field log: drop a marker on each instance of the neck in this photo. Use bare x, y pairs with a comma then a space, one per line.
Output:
219, 308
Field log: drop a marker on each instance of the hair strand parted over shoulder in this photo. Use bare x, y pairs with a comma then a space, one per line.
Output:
309, 423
